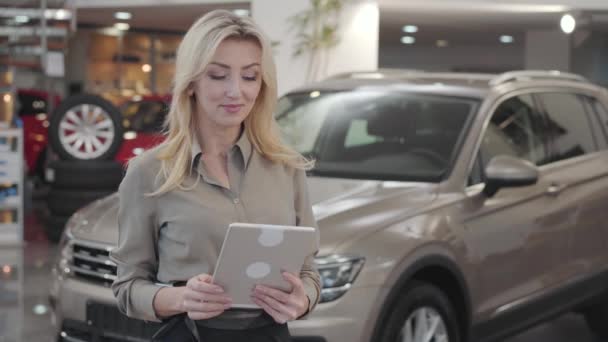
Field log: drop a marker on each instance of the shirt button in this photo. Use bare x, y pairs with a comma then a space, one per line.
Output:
236, 201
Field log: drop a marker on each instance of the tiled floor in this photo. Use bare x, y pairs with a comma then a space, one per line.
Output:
25, 312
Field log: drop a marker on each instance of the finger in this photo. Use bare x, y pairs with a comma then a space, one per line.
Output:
286, 311
207, 297
196, 315
204, 277
295, 281
202, 286
272, 312
274, 293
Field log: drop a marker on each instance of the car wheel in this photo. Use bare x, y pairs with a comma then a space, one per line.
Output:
85, 175
66, 202
421, 313
86, 127
597, 317
54, 227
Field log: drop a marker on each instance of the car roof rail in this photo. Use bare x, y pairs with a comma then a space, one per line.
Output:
535, 74
375, 74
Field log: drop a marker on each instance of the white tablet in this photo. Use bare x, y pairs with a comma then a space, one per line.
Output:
257, 254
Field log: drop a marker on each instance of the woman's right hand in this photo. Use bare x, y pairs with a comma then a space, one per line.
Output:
203, 300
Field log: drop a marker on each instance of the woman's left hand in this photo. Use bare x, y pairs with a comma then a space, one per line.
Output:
283, 306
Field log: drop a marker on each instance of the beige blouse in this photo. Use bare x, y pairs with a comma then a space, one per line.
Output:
178, 235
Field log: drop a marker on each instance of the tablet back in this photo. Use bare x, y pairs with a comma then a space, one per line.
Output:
257, 254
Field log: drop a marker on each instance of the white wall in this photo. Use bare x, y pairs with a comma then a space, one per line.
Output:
468, 57
357, 50
547, 50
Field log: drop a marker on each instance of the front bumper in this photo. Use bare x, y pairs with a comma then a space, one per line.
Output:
346, 319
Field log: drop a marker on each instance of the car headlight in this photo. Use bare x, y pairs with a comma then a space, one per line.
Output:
338, 272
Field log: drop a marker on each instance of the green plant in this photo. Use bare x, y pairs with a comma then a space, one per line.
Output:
317, 31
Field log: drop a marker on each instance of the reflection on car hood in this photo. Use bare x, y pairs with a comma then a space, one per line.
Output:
344, 209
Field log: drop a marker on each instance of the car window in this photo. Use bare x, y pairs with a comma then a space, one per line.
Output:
599, 120
568, 125
384, 135
144, 116
515, 129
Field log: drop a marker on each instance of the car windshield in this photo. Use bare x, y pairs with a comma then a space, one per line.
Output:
144, 116
376, 135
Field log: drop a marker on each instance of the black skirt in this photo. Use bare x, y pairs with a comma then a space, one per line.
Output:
269, 333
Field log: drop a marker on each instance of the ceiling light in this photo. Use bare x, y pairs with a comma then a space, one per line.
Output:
410, 28
442, 43
122, 15
22, 19
314, 94
122, 26
505, 39
62, 14
241, 12
408, 40
568, 23
146, 68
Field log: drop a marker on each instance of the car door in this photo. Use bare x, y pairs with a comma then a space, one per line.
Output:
516, 234
578, 173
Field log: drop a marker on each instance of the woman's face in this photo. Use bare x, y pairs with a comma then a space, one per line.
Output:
227, 89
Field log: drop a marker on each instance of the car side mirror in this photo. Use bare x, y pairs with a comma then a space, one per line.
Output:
507, 171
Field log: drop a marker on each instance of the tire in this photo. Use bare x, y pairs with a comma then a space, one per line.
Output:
86, 175
54, 227
66, 202
416, 296
597, 317
72, 114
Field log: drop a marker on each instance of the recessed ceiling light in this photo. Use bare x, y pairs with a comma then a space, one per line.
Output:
22, 19
568, 23
442, 43
408, 40
146, 68
506, 39
122, 15
410, 28
241, 12
122, 26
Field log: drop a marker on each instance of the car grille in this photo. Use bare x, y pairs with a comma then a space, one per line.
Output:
92, 263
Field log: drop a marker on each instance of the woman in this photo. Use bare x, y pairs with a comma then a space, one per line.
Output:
222, 162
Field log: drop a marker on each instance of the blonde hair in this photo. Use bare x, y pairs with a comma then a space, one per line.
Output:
193, 55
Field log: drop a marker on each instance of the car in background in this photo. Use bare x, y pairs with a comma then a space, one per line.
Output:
93, 140
451, 207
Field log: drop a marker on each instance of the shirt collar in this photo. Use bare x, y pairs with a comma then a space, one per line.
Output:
243, 144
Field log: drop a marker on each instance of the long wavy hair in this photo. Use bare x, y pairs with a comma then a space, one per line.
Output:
193, 55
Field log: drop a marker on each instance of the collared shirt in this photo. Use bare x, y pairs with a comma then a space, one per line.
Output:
178, 235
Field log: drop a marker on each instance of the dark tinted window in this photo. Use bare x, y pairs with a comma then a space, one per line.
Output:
515, 129
31, 104
568, 126
376, 135
144, 116
596, 114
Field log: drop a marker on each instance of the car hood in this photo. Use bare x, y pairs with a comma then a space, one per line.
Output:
345, 209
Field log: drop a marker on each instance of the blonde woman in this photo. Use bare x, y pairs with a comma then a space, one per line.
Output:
222, 162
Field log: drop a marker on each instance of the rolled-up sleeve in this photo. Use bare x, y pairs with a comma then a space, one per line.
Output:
136, 254
304, 217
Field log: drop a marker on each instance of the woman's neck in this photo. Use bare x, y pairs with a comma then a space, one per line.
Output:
217, 141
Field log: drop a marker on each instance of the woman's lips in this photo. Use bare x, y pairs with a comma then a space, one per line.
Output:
232, 108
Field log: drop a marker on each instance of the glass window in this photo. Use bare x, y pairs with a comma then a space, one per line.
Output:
515, 129
376, 134
594, 110
568, 126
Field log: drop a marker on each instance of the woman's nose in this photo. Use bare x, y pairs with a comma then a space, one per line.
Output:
234, 87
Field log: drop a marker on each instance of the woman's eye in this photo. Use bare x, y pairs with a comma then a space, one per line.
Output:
250, 78
217, 77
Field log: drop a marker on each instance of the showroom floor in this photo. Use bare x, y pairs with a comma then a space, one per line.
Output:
25, 315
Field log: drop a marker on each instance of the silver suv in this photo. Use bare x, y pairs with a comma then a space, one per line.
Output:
452, 207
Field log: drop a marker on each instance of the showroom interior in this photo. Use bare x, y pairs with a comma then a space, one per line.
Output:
111, 63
